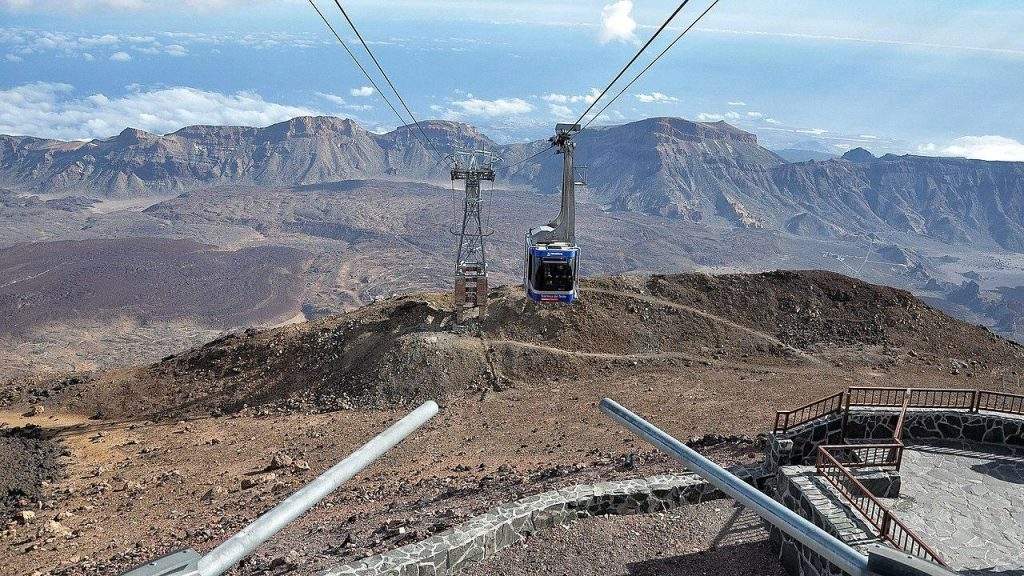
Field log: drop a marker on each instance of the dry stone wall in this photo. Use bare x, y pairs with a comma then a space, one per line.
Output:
798, 488
987, 427
799, 445
509, 524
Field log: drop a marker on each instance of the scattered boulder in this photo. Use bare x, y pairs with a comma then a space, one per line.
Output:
289, 561
214, 493
57, 529
280, 460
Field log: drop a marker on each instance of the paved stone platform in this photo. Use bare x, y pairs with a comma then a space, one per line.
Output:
966, 500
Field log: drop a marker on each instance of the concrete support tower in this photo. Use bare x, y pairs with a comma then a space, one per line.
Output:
471, 259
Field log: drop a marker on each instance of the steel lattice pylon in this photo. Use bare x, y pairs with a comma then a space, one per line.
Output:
471, 258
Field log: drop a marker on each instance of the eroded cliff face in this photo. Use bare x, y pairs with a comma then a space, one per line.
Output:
303, 150
705, 172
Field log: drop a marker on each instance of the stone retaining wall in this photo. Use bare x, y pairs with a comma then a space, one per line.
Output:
509, 524
920, 424
791, 457
799, 489
799, 445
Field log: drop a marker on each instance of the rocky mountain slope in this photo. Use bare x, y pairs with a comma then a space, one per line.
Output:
300, 151
404, 350
195, 446
709, 172
704, 172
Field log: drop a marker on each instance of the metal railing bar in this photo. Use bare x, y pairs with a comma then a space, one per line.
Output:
872, 509
223, 557
786, 520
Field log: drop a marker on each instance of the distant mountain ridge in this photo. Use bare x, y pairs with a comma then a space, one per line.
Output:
709, 172
303, 150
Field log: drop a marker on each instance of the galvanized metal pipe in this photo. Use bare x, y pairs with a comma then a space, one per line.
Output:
796, 526
223, 557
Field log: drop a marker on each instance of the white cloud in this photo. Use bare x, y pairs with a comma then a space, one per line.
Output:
560, 111
13, 58
772, 121
499, 107
78, 6
656, 97
716, 117
755, 114
332, 98
737, 103
813, 131
175, 50
50, 110
1012, 51
120, 56
990, 147
617, 22
362, 91
22, 41
104, 40
556, 98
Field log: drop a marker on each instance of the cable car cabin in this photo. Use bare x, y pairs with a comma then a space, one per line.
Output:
551, 273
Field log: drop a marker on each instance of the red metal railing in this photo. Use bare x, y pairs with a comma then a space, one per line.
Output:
877, 514
903, 398
897, 431
784, 420
834, 461
999, 402
876, 397
882, 455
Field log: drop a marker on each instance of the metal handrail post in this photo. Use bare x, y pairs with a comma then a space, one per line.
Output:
223, 557
796, 526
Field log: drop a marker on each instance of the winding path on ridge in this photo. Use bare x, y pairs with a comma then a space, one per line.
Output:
712, 317
597, 355
490, 343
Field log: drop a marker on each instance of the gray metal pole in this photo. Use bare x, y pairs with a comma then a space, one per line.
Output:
798, 527
223, 557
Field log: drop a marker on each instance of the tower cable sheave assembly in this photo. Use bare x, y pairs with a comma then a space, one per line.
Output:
471, 259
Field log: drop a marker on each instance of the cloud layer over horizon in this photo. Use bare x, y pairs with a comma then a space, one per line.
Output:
50, 110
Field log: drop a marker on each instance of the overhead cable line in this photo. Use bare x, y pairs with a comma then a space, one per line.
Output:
648, 67
386, 77
528, 158
356, 60
631, 60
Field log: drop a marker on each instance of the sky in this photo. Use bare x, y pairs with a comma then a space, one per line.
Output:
937, 77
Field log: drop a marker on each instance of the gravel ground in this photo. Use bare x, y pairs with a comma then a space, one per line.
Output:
27, 460
710, 538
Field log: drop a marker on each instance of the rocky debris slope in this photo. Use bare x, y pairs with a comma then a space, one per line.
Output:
405, 349
27, 460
